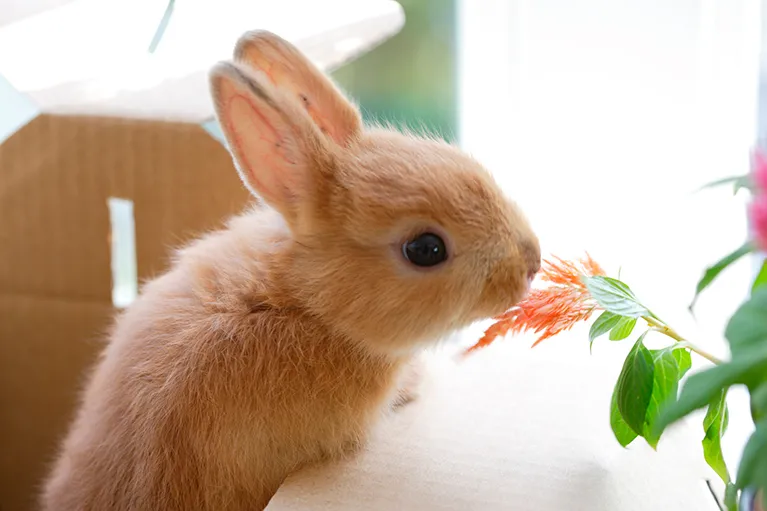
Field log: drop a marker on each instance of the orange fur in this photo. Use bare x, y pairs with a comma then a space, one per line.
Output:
280, 340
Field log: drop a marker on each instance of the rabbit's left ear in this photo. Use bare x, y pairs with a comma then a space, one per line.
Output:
278, 151
290, 71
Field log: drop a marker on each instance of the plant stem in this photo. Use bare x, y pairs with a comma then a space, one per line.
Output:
713, 494
670, 332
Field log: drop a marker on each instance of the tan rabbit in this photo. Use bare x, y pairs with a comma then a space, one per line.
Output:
280, 341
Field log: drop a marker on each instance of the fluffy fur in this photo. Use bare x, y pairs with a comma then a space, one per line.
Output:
280, 340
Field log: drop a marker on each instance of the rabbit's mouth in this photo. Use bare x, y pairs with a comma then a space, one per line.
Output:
530, 278
526, 288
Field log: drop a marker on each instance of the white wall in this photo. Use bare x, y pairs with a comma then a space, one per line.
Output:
14, 10
601, 117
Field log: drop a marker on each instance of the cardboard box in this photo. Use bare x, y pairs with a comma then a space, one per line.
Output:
128, 128
58, 173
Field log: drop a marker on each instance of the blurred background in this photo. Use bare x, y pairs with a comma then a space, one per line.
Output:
420, 90
600, 117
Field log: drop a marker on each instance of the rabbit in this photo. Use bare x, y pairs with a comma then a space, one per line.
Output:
280, 340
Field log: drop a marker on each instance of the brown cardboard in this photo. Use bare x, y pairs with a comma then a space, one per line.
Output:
55, 279
46, 345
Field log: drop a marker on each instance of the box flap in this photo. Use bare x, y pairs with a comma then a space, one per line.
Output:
60, 171
67, 62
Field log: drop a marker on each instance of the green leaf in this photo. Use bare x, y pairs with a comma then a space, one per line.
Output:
635, 385
752, 471
761, 277
738, 183
701, 388
731, 497
623, 329
743, 182
664, 388
615, 296
604, 323
713, 271
623, 433
715, 424
749, 323
759, 402
683, 360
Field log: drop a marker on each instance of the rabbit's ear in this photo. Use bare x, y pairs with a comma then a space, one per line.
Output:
288, 69
273, 142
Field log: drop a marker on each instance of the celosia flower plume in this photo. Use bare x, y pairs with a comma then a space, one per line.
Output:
552, 309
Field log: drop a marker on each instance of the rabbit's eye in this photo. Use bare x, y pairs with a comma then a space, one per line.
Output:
425, 250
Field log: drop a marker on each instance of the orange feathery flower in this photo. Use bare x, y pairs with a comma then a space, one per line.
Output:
549, 310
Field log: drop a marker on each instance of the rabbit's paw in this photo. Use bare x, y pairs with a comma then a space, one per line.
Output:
410, 383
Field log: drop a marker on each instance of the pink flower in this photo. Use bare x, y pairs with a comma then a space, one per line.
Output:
758, 212
760, 170
758, 208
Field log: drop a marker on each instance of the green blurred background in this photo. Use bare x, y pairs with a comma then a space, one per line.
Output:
411, 78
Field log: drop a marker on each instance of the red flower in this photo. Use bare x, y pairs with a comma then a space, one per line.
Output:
550, 310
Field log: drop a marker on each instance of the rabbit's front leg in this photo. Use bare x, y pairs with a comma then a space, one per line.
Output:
409, 386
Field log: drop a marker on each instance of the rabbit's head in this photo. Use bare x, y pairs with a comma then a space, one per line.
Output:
394, 240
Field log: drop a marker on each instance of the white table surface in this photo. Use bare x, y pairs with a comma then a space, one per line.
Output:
512, 428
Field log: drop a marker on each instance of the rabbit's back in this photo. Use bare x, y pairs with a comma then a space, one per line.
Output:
208, 395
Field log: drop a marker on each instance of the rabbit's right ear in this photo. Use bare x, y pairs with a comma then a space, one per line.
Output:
274, 144
288, 69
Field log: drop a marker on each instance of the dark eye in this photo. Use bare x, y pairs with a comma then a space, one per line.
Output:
425, 250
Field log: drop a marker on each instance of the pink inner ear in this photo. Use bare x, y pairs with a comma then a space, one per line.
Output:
316, 115
262, 151
270, 71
